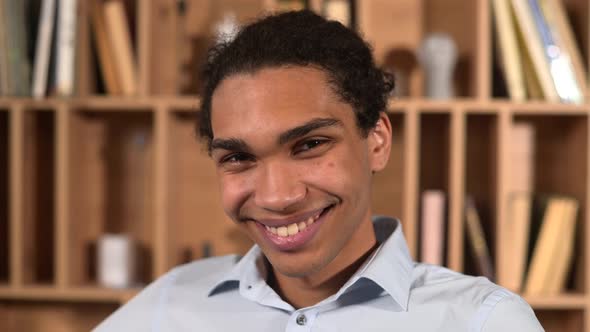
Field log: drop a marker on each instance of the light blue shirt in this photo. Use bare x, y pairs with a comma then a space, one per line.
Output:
389, 292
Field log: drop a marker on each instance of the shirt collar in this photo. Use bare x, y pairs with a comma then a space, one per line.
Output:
389, 266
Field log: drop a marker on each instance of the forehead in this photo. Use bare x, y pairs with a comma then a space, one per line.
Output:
273, 98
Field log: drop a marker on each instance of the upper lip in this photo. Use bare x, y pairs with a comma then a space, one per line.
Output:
276, 222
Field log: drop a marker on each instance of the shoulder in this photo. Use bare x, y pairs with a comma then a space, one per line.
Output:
483, 305
503, 311
195, 278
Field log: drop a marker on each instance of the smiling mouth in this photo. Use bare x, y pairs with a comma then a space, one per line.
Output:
297, 227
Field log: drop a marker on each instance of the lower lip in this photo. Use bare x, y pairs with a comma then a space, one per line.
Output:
293, 242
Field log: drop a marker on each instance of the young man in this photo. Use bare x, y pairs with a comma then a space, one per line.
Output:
293, 114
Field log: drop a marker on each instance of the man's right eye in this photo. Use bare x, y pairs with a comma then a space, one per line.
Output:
235, 159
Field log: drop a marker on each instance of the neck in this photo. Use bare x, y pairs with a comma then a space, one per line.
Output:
306, 291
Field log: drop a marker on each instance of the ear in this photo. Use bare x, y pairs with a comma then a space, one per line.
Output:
379, 140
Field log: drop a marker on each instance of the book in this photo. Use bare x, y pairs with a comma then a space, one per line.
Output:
103, 48
65, 48
3, 54
533, 46
433, 227
560, 65
120, 39
18, 66
477, 240
43, 48
522, 157
556, 225
509, 50
564, 253
512, 255
557, 19
515, 241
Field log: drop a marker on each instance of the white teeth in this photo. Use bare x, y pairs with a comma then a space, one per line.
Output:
282, 231
292, 229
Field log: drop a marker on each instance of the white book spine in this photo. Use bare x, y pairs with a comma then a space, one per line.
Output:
66, 45
43, 48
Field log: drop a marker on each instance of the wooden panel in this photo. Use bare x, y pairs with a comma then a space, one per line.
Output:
411, 152
16, 132
161, 192
456, 190
39, 185
481, 177
111, 182
4, 196
53, 316
62, 179
196, 215
388, 185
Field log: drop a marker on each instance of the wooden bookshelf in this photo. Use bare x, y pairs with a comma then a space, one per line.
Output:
74, 168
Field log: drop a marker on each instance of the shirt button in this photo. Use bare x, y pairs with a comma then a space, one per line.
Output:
301, 320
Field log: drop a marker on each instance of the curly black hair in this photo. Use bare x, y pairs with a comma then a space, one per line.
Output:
301, 38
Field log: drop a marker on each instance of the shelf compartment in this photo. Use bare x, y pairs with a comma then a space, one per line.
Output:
434, 167
38, 225
560, 166
38, 316
110, 189
481, 175
4, 197
198, 225
570, 320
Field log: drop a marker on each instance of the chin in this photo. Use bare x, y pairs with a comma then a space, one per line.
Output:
295, 267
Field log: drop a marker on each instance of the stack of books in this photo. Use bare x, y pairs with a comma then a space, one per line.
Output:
537, 51
38, 46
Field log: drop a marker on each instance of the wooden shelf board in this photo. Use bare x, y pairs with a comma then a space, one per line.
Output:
77, 294
191, 104
563, 301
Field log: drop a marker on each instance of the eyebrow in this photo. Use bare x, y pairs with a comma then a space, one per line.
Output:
306, 128
236, 144
229, 144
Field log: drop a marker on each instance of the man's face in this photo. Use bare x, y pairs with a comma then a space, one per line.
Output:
294, 171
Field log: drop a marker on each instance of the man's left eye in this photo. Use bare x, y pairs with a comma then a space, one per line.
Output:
309, 145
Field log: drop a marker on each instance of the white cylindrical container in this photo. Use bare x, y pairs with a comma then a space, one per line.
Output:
116, 261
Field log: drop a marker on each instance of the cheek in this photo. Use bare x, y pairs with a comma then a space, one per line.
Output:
234, 191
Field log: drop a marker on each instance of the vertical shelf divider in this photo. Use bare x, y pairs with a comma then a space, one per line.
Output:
456, 189
587, 228
16, 197
411, 154
504, 123
161, 138
62, 173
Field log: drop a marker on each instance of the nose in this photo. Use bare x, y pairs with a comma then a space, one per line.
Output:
278, 188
